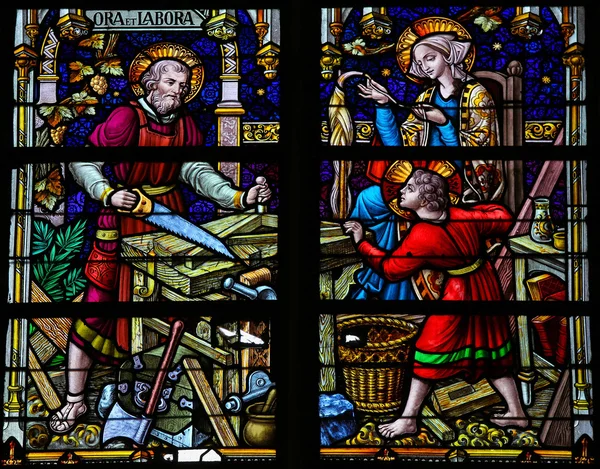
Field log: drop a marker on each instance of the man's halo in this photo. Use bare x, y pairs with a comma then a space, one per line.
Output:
422, 27
161, 51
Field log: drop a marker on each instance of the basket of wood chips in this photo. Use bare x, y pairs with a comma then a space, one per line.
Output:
374, 352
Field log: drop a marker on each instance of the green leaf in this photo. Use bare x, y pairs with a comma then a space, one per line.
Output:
111, 67
90, 111
42, 237
74, 283
56, 360
66, 112
95, 41
47, 110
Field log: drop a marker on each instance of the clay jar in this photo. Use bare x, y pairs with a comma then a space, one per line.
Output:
260, 428
542, 226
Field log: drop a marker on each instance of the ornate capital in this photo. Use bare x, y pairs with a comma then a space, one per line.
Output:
222, 27
332, 57
336, 29
574, 59
261, 31
526, 25
376, 25
32, 31
72, 26
567, 30
268, 57
25, 60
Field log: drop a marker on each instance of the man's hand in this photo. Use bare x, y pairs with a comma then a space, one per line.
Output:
259, 193
427, 112
373, 90
123, 199
355, 230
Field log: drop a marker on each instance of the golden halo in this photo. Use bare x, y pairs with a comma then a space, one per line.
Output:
422, 27
400, 170
166, 50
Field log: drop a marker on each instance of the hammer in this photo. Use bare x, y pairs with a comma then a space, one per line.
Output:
121, 424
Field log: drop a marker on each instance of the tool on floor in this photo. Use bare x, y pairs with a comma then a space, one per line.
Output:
121, 424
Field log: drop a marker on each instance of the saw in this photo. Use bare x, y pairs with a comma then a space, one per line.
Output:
163, 217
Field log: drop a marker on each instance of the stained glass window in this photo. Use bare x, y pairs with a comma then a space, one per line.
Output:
140, 237
449, 275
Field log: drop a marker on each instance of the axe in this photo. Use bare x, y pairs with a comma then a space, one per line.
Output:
121, 424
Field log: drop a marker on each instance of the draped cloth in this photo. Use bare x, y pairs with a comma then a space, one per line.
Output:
106, 339
471, 345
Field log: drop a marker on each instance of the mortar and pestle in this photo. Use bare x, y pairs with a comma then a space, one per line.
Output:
260, 427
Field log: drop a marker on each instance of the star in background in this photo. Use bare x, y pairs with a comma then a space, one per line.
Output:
386, 72
497, 46
546, 79
260, 91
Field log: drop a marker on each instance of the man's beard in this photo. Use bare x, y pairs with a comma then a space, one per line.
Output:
164, 104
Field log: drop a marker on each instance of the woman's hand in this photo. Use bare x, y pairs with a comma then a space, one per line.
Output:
123, 199
373, 90
355, 230
427, 112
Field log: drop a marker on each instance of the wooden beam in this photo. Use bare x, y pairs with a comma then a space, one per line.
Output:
43, 384
209, 401
56, 329
219, 355
436, 425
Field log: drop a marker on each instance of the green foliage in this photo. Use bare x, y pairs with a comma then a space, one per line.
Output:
57, 360
56, 248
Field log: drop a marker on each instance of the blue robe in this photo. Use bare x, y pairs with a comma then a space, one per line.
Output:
374, 213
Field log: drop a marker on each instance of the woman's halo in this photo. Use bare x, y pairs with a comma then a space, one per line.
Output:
423, 27
161, 51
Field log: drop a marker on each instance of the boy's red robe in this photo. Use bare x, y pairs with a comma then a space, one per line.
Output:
471, 344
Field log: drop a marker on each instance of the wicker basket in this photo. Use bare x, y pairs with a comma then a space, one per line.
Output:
374, 369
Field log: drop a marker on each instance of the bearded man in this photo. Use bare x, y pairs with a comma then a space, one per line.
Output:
156, 119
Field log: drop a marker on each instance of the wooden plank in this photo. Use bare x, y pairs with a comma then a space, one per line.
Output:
195, 343
436, 424
248, 253
209, 401
329, 229
253, 239
462, 398
545, 368
327, 351
176, 296
56, 329
43, 384
556, 429
341, 286
43, 348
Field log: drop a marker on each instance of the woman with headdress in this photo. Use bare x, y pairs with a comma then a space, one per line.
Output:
455, 110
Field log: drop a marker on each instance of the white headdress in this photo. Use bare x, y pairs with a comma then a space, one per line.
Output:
453, 51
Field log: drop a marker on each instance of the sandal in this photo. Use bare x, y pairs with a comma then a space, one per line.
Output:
59, 423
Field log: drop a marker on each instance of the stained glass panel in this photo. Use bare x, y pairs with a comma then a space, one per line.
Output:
509, 76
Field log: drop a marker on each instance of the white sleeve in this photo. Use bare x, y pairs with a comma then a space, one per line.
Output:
211, 184
89, 175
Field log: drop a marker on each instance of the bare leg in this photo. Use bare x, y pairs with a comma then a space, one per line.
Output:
515, 416
407, 423
78, 366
